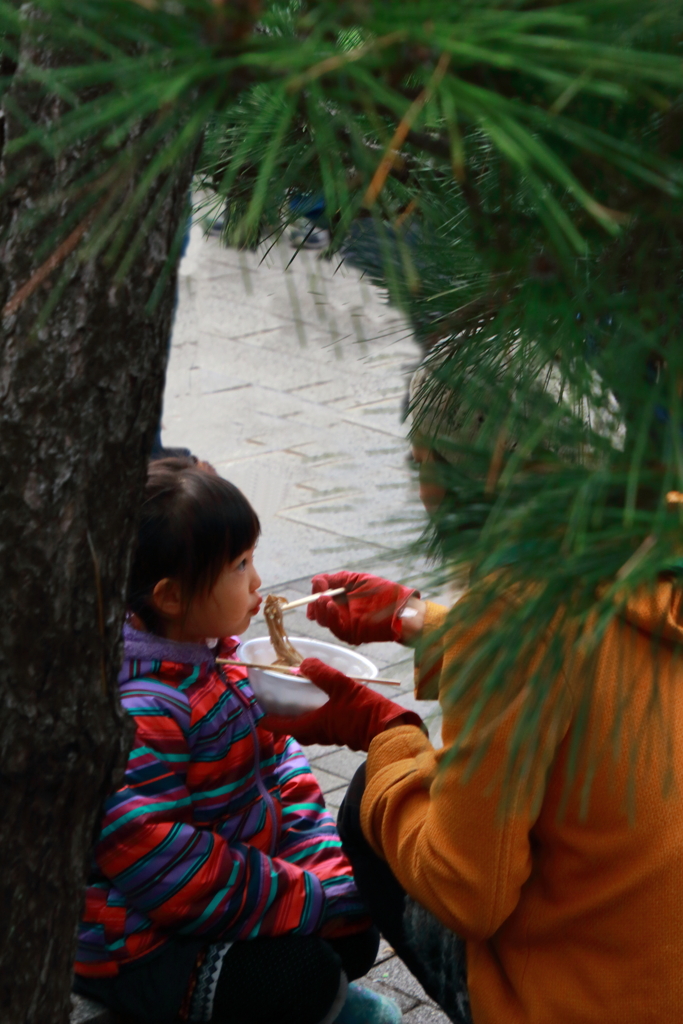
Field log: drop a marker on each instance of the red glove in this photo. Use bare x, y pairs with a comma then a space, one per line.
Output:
352, 717
368, 611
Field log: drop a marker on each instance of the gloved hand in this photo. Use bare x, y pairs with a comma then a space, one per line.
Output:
367, 612
352, 717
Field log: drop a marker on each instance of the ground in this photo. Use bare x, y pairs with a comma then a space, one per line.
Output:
291, 380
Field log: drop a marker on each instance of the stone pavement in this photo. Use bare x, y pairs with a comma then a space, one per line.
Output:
291, 380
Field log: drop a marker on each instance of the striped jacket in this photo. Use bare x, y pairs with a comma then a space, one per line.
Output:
218, 831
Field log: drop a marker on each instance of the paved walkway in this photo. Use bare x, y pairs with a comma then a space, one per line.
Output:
290, 377
291, 381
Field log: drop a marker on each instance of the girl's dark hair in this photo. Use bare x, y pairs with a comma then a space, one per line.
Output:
193, 522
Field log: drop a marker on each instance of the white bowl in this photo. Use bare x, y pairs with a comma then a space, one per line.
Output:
281, 694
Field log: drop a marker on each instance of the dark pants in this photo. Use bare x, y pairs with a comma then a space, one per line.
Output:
430, 951
292, 979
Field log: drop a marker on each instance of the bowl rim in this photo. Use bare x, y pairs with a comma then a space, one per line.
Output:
372, 672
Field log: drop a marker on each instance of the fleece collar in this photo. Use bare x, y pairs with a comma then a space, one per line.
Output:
139, 646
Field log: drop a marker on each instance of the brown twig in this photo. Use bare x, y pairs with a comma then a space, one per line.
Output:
496, 463
53, 261
402, 130
342, 59
637, 557
403, 216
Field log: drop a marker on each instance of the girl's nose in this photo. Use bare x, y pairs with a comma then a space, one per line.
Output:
256, 581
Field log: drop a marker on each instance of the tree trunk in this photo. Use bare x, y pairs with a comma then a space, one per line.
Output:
79, 403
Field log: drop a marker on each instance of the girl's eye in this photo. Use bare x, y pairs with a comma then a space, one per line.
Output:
242, 566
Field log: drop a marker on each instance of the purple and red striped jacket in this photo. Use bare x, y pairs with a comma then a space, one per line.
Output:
219, 829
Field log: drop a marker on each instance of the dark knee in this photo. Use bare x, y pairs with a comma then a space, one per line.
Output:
286, 980
348, 819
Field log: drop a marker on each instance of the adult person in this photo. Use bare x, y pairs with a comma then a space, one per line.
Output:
547, 895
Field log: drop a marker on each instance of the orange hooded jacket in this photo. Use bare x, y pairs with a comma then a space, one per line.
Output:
572, 914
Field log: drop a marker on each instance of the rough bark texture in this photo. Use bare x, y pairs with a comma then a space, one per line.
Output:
79, 403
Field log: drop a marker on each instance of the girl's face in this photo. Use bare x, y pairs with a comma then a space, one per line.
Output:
227, 609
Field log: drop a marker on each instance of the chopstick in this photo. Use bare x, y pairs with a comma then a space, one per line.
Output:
313, 597
290, 672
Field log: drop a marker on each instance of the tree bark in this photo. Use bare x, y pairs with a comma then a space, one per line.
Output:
79, 403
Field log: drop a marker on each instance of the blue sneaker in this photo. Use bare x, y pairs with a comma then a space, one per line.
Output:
363, 1006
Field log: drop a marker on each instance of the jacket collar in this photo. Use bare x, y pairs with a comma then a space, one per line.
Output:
139, 646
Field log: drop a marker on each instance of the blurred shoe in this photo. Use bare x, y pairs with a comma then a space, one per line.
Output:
363, 1006
304, 234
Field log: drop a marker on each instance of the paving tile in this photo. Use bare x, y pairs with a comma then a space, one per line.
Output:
400, 671
342, 762
85, 1011
309, 290
344, 517
385, 951
333, 800
238, 319
380, 414
278, 369
394, 973
317, 295
314, 750
328, 782
426, 1014
265, 478
404, 1001
346, 390
301, 586
205, 381
285, 548
274, 298
340, 474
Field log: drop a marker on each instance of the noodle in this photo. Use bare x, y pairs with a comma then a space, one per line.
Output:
285, 654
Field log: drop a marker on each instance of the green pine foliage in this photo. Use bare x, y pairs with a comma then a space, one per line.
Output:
511, 172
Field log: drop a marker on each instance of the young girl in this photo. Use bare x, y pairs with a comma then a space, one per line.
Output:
219, 890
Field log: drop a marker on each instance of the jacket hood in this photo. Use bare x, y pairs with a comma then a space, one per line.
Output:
144, 647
